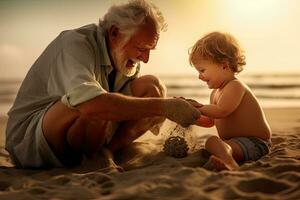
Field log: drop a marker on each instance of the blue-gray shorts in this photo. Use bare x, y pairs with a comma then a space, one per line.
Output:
253, 148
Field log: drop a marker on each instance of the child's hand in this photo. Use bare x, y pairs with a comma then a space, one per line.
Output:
205, 121
192, 102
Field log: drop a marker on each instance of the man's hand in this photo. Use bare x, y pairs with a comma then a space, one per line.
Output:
180, 111
192, 102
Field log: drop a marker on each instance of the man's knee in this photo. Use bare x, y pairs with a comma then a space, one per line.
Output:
148, 86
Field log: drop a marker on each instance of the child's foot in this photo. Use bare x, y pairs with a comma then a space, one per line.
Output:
222, 165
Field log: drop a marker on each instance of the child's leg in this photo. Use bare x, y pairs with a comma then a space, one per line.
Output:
223, 153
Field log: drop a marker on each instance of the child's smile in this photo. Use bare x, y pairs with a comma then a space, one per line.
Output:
214, 74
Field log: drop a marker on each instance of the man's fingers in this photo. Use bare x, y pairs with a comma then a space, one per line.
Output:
179, 97
194, 103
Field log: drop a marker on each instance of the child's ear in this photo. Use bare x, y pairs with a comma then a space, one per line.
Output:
225, 64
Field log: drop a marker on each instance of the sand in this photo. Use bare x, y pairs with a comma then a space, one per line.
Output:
150, 174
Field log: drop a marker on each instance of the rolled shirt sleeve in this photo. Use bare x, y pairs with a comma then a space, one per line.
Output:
73, 74
82, 93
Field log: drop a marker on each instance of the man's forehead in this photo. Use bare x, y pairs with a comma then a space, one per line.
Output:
147, 44
148, 41
146, 35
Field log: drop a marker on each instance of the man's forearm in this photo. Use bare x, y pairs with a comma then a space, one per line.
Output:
114, 106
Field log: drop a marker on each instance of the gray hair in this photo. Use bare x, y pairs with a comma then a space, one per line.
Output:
128, 17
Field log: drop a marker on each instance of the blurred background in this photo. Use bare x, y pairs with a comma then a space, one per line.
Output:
268, 31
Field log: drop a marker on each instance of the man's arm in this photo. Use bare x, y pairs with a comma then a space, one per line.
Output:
118, 107
115, 106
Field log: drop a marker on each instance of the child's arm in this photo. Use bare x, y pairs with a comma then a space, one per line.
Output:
228, 101
203, 121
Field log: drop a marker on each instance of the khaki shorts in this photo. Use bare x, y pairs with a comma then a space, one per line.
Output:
33, 151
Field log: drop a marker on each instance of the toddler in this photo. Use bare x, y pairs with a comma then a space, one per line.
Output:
244, 133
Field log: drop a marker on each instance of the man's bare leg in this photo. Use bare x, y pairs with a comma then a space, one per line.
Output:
128, 131
224, 154
71, 135
145, 86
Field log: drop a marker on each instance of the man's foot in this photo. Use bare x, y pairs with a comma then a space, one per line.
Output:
221, 164
107, 160
102, 160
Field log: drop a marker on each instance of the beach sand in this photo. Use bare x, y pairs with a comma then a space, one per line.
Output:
150, 174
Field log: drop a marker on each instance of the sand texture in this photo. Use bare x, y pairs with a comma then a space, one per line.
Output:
150, 174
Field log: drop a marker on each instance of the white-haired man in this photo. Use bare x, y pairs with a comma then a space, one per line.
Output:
85, 92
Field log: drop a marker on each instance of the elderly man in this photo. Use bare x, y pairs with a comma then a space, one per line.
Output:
85, 92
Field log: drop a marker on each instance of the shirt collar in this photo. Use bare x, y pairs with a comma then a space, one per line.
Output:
104, 56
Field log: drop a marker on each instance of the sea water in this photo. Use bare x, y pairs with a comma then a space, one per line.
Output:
272, 90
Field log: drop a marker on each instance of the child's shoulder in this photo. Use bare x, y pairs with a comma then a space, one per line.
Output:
235, 86
236, 83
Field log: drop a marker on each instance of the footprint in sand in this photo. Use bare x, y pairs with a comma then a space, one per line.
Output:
281, 168
290, 176
4, 185
263, 185
60, 180
102, 181
37, 191
107, 188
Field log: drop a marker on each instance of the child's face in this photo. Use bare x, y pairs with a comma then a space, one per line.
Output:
210, 72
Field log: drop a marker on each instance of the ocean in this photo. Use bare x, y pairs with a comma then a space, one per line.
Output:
272, 90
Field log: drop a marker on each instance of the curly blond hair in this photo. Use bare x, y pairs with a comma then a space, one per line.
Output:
220, 48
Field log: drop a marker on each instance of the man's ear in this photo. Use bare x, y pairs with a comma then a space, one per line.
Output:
113, 33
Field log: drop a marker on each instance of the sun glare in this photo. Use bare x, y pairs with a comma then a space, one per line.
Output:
255, 11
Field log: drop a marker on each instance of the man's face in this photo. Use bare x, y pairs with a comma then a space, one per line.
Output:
127, 56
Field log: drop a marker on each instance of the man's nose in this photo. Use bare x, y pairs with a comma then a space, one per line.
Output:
145, 56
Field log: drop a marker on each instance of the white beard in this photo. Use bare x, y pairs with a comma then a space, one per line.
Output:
120, 62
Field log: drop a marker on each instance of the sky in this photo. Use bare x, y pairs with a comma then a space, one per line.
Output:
267, 30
